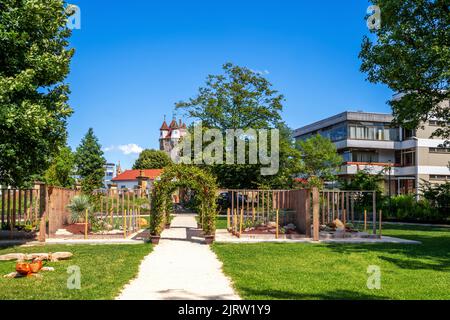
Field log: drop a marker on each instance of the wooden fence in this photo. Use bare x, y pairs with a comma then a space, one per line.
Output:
20, 208
123, 209
265, 206
36, 212
356, 207
58, 215
307, 209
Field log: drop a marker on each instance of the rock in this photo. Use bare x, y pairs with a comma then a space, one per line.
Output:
15, 275
48, 269
290, 226
143, 223
339, 224
63, 232
60, 256
272, 225
40, 256
13, 256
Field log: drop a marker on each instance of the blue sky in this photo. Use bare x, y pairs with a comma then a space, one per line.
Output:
135, 59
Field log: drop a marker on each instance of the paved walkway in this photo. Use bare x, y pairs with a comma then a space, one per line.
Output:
180, 267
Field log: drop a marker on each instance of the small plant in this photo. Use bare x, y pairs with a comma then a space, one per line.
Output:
78, 207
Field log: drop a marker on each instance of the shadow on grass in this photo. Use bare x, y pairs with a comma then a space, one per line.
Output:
432, 254
330, 295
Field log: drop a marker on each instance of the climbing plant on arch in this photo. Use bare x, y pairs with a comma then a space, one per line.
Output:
185, 176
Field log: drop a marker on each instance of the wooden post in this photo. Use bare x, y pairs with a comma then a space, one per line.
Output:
353, 207
13, 224
86, 222
228, 219
316, 211
235, 221
381, 224
43, 207
277, 235
333, 204
253, 215
365, 219
374, 213
125, 223
3, 208
241, 222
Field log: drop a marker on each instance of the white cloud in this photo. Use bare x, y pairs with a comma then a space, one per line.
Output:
130, 149
126, 149
265, 72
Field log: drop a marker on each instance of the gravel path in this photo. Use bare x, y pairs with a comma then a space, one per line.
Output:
180, 267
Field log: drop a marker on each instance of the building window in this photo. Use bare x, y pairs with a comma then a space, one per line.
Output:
406, 158
365, 157
438, 123
439, 177
439, 150
408, 134
373, 131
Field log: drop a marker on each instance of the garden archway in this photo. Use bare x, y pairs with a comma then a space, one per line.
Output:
184, 176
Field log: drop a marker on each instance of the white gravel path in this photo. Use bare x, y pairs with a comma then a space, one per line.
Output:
180, 267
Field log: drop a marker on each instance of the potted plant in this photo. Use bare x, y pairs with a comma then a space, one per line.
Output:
169, 221
78, 207
157, 219
209, 226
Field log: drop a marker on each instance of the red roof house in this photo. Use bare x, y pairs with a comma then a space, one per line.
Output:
129, 179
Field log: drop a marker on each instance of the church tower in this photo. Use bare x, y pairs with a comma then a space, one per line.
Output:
171, 135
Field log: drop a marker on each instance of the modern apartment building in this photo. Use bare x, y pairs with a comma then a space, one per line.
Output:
369, 141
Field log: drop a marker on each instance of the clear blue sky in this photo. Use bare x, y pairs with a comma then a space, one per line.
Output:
134, 59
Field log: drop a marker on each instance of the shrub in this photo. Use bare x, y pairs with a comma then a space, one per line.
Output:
407, 208
78, 206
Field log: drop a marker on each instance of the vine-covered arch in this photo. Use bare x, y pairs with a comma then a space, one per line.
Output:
201, 182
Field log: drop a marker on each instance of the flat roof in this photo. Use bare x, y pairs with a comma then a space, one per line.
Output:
344, 116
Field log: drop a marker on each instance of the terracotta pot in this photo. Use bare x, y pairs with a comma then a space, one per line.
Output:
23, 268
209, 239
155, 239
36, 266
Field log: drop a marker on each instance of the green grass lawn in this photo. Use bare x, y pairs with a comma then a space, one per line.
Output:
339, 271
221, 222
105, 269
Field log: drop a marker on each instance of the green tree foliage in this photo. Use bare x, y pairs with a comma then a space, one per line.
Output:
238, 99
34, 62
411, 55
152, 159
90, 163
320, 160
243, 99
363, 180
438, 196
62, 169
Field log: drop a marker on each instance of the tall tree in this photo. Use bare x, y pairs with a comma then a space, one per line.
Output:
238, 99
152, 159
90, 162
243, 99
411, 55
34, 62
62, 170
320, 160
